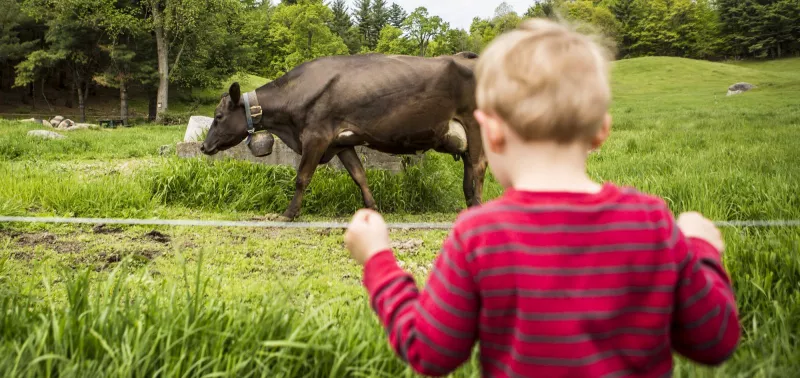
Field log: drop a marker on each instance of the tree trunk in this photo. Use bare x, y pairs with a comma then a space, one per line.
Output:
83, 94
123, 102
50, 108
162, 47
33, 93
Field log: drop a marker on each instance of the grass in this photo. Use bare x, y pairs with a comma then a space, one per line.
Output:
138, 301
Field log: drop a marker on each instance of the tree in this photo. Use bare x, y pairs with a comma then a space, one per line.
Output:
397, 15
175, 24
75, 30
379, 19
363, 19
421, 28
303, 34
343, 26
391, 41
450, 42
505, 19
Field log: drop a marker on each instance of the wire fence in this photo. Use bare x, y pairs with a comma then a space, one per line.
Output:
312, 225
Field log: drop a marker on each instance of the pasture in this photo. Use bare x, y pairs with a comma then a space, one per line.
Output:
183, 301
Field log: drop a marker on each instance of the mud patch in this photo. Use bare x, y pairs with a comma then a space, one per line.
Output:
157, 237
49, 240
104, 229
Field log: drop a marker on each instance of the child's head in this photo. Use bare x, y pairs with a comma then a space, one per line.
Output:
542, 83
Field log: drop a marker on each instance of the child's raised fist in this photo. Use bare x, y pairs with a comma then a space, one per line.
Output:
366, 235
695, 225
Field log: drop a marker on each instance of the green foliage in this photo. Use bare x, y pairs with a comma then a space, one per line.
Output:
11, 19
302, 32
391, 41
421, 28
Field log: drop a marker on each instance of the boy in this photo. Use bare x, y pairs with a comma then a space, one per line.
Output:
560, 276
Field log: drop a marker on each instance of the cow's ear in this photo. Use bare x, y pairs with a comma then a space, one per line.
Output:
235, 93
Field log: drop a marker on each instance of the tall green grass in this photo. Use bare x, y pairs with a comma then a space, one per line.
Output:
286, 304
135, 322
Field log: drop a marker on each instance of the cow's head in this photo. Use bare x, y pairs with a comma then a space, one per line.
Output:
229, 127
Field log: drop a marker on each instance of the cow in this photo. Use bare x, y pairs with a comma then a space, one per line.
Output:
396, 104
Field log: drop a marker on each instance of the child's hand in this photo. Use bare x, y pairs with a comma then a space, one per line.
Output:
366, 235
694, 225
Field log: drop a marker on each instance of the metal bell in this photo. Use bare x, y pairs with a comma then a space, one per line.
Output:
260, 143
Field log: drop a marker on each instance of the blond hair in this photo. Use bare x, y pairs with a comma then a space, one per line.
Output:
546, 81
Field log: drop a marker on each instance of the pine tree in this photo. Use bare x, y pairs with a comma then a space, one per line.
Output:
363, 17
397, 15
380, 18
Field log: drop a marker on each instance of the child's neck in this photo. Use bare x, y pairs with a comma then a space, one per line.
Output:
548, 167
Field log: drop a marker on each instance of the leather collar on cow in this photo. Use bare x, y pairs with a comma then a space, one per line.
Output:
252, 112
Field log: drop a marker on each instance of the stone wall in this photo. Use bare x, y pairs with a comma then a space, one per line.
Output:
283, 155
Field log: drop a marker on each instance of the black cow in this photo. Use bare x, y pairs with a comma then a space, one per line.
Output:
393, 104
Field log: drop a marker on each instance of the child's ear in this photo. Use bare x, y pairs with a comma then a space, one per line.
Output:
492, 131
603, 133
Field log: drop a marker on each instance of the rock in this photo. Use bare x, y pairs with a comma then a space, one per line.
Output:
46, 134
197, 126
65, 124
38, 121
56, 120
81, 126
740, 88
283, 155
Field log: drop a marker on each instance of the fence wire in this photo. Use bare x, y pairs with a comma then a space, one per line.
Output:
309, 225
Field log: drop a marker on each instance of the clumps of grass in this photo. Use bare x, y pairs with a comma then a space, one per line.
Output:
30, 187
131, 322
122, 143
130, 325
230, 185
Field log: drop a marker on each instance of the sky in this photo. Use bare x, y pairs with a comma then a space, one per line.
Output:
459, 13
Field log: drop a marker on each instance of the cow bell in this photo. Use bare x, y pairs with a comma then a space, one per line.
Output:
260, 143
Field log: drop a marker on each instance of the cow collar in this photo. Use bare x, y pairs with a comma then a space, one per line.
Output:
252, 112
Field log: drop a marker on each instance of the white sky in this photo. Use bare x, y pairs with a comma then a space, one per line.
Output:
459, 13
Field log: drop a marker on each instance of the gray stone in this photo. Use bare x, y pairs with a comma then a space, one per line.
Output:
196, 127
46, 134
283, 155
81, 126
740, 88
56, 120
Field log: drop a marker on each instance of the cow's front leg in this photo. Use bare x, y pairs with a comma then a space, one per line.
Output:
313, 150
352, 163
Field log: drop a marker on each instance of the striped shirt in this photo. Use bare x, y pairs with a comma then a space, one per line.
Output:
561, 284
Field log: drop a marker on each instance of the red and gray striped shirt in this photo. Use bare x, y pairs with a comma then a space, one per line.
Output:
561, 284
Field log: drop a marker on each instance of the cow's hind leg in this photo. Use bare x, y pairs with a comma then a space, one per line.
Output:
313, 151
352, 163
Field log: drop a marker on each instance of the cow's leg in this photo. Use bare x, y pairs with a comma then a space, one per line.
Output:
352, 163
313, 151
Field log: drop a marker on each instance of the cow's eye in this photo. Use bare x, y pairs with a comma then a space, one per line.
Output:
219, 116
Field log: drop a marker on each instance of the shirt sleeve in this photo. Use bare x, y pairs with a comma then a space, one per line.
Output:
706, 322
433, 331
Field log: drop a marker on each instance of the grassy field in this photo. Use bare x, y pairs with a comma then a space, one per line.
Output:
138, 301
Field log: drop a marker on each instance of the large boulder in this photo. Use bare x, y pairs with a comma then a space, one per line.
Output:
283, 155
45, 134
740, 88
197, 126
56, 121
